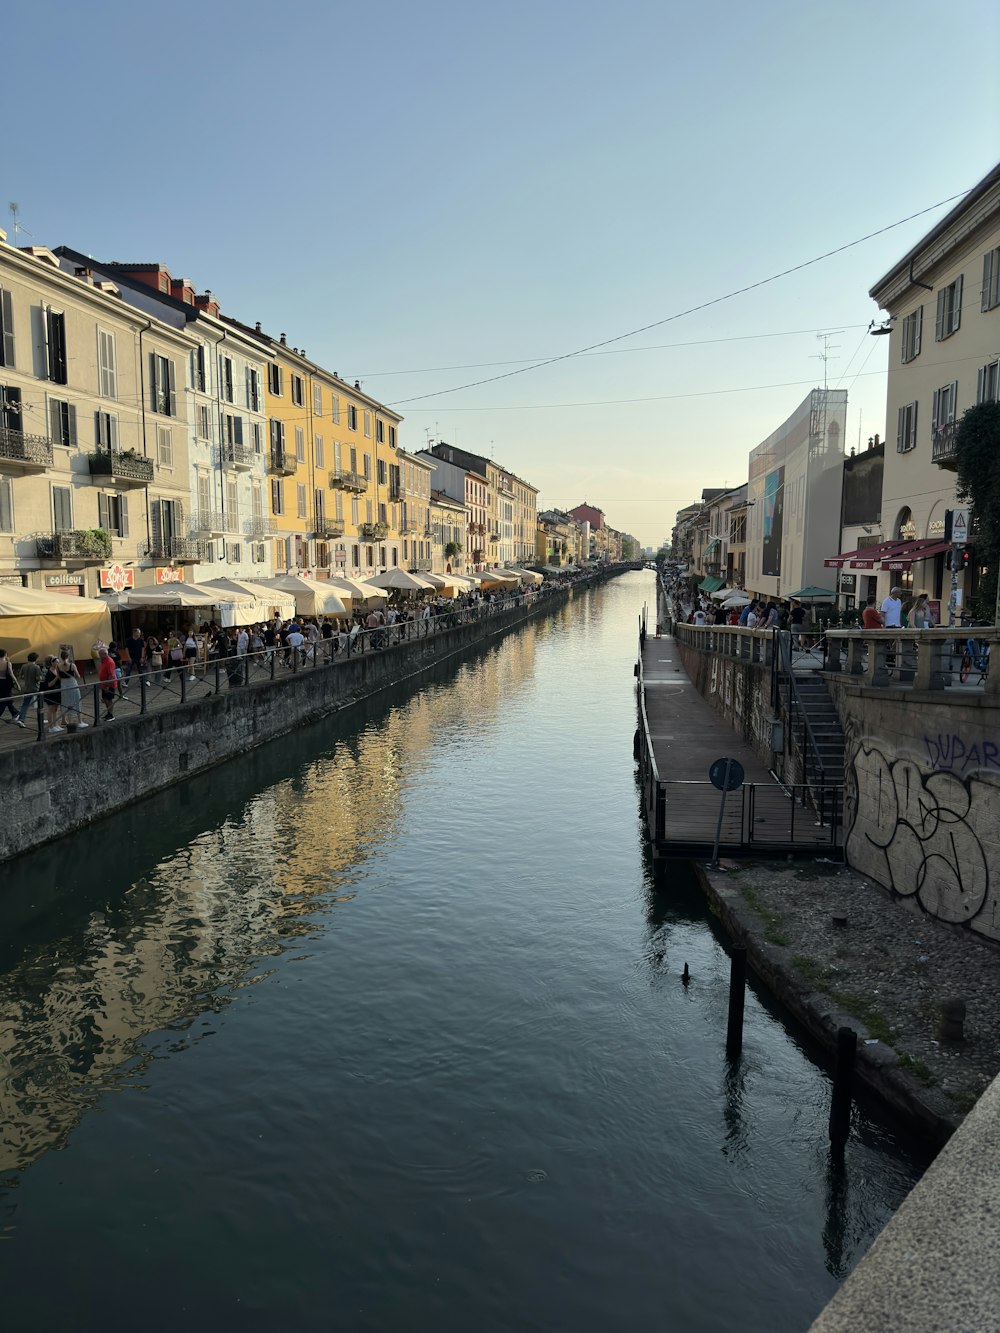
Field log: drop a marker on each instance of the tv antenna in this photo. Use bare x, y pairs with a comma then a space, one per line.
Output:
13, 208
825, 356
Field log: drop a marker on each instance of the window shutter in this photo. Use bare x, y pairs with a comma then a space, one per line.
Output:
952, 401
956, 321
55, 420
171, 389
71, 425
988, 261
237, 430
939, 326
153, 395
62, 509
99, 430
935, 411
156, 525
7, 323
918, 327
6, 506
981, 385
102, 512
123, 515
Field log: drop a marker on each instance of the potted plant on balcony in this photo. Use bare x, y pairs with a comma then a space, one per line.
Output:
452, 549
95, 542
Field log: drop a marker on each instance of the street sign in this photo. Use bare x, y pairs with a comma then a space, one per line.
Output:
956, 526
726, 774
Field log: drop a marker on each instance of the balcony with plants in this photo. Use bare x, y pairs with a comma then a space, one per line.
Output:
83, 546
123, 467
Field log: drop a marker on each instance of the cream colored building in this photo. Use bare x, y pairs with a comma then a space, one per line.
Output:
410, 488
943, 300
94, 468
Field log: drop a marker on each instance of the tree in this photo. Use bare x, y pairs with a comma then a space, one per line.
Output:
977, 483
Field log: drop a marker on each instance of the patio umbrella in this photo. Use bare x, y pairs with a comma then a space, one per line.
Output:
357, 590
169, 595
312, 597
721, 594
400, 581
264, 601
735, 598
812, 594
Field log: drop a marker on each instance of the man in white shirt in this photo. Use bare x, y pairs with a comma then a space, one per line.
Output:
242, 643
892, 610
699, 617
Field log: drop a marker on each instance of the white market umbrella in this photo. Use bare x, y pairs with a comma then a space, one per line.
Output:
736, 599
400, 581
15, 601
312, 597
264, 600
354, 588
177, 595
722, 594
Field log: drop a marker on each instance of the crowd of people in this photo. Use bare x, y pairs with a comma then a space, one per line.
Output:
51, 684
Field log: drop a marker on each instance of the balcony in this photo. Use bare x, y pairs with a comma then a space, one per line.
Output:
123, 469
182, 550
408, 527
373, 532
283, 463
348, 481
209, 523
260, 527
327, 529
943, 446
395, 493
478, 555
28, 453
239, 457
90, 546
422, 566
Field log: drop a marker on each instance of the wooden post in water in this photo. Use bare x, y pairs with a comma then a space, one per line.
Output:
737, 988
843, 1080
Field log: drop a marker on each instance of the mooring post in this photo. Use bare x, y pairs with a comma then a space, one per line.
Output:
843, 1080
737, 988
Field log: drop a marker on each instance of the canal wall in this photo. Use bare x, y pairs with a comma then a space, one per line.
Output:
52, 789
922, 772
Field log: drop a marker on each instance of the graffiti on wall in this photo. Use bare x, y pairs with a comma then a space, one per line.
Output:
957, 754
925, 834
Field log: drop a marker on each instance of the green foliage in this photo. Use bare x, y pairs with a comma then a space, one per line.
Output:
977, 453
452, 549
95, 541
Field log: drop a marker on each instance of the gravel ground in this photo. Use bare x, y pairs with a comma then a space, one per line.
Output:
889, 968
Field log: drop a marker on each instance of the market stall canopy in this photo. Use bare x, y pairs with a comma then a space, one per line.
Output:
264, 601
530, 574
312, 597
710, 584
811, 592
191, 595
37, 621
400, 581
354, 588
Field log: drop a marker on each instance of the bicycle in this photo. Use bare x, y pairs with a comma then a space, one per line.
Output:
976, 657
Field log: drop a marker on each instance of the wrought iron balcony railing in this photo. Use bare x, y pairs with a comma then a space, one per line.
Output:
373, 532
943, 444
325, 529
84, 545
346, 480
124, 469
260, 526
282, 462
240, 457
31, 453
185, 550
211, 522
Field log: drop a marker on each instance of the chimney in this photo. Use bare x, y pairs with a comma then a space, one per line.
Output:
357, 384
258, 326
283, 340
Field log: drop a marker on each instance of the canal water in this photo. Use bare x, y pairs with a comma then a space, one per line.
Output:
382, 1028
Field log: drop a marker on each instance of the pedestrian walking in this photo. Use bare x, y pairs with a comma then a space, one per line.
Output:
107, 679
50, 693
154, 659
135, 646
190, 654
8, 684
31, 680
69, 694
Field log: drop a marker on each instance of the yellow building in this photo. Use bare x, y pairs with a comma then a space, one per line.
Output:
334, 482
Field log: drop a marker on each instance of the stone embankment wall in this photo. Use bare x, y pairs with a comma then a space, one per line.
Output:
922, 804
53, 788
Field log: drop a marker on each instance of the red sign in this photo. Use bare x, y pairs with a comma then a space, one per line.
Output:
116, 578
836, 563
862, 564
896, 564
167, 574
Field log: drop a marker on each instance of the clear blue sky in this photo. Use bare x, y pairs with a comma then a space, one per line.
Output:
405, 187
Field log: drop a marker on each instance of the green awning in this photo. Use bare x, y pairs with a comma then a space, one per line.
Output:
712, 545
710, 584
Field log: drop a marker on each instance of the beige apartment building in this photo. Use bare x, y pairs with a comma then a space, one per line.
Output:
447, 534
411, 490
943, 301
94, 472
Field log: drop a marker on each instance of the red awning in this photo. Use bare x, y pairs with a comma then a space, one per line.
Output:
866, 557
897, 555
911, 553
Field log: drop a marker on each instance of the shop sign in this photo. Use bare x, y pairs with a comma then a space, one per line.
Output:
116, 578
862, 564
12, 580
936, 527
848, 582
900, 565
64, 581
168, 574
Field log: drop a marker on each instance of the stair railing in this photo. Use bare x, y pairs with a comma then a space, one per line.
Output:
795, 710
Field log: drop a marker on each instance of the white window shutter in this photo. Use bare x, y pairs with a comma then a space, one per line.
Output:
956, 321
939, 326
952, 401
918, 327
988, 261
123, 514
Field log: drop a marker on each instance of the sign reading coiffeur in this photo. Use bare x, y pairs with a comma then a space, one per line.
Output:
116, 578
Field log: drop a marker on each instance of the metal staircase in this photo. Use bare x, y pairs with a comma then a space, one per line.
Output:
823, 759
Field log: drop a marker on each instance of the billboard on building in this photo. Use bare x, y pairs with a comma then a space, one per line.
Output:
774, 507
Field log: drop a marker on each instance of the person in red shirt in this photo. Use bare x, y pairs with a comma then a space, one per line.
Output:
871, 617
107, 675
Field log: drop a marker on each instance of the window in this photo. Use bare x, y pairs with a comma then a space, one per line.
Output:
949, 309
300, 444
991, 281
10, 407
338, 505
380, 430
6, 329
298, 394
368, 511
257, 434
236, 552
280, 557
277, 496
988, 388
319, 503
354, 511
277, 435
233, 427
253, 389
381, 515
300, 500
163, 385
354, 460
335, 410
204, 493
258, 553
226, 377
944, 410
275, 379
368, 467
106, 431
368, 425
204, 422
232, 504
318, 447
356, 556
107, 364
198, 379
164, 446
906, 428
62, 509
352, 417
112, 514
256, 505
318, 400
6, 505
392, 437
62, 423
380, 466
913, 326
55, 345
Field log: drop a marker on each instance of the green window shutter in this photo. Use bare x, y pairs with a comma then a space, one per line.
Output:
103, 521
123, 515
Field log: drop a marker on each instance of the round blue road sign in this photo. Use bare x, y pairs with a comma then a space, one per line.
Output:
717, 774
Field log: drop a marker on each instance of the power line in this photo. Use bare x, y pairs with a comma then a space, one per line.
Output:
703, 305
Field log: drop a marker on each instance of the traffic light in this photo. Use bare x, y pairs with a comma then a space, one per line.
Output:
964, 558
